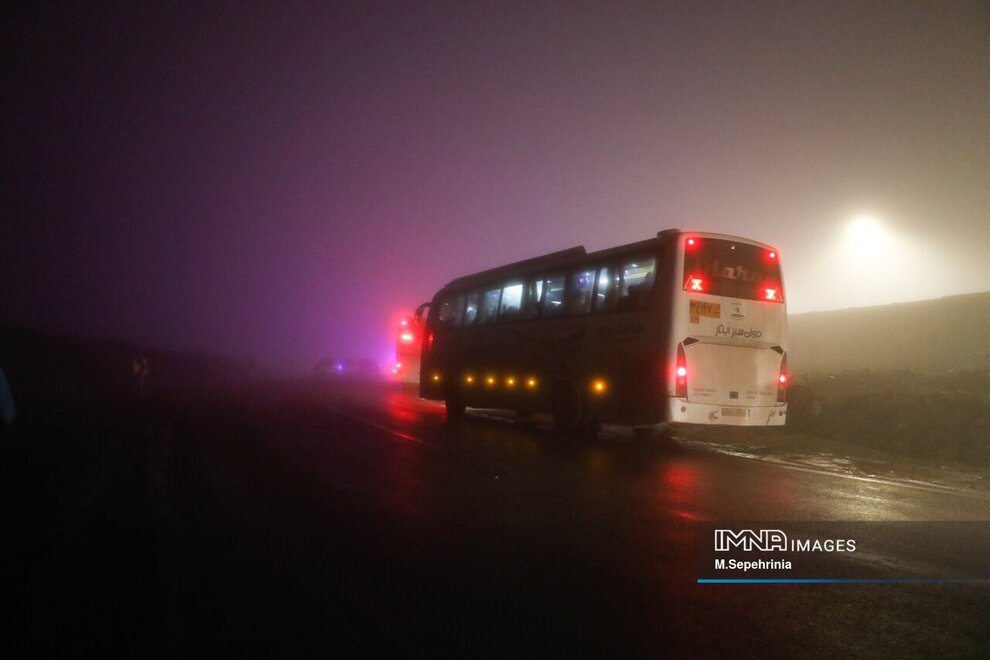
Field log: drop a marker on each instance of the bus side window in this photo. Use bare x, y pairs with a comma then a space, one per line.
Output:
471, 308
637, 283
533, 301
511, 304
582, 286
457, 316
553, 296
489, 306
605, 289
446, 312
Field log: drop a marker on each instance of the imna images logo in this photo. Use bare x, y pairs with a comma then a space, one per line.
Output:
748, 540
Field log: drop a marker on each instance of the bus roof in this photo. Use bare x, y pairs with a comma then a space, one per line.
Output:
561, 256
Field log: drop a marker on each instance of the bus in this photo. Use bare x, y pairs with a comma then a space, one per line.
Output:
683, 328
408, 345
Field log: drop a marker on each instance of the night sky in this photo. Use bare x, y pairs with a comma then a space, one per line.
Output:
280, 180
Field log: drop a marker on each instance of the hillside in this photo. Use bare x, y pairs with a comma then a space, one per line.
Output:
933, 336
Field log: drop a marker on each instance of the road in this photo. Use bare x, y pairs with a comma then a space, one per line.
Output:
318, 519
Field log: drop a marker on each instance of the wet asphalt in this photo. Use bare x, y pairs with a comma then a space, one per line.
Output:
351, 518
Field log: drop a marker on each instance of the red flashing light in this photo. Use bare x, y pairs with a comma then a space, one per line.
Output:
782, 380
406, 337
770, 291
681, 371
695, 283
691, 242
772, 254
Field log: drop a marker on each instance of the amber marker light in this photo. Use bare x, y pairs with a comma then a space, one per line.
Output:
599, 386
531, 383
510, 381
490, 380
469, 379
436, 378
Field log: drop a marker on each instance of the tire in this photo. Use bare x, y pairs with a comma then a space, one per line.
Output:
455, 409
566, 409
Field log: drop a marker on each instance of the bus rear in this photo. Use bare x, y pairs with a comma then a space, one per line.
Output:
727, 355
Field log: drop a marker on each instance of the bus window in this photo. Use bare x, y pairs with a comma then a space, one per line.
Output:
457, 317
737, 270
511, 304
605, 290
553, 296
446, 311
637, 282
471, 308
533, 301
582, 286
489, 306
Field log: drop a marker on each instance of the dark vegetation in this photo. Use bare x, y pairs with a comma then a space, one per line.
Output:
936, 417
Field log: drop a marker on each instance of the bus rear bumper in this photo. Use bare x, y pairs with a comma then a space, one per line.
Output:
682, 411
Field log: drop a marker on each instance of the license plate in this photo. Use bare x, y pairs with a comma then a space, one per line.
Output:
735, 412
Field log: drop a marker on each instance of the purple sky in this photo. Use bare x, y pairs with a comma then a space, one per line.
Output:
279, 180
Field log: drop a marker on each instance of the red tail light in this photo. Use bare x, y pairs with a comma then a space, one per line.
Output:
681, 372
429, 341
782, 380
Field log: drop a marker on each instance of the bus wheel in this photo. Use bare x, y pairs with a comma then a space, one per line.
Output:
455, 406
566, 408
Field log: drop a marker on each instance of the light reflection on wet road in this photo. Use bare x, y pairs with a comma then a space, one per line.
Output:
497, 537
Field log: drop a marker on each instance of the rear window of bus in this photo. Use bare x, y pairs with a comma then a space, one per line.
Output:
728, 268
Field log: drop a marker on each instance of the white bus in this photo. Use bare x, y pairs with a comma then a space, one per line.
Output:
687, 327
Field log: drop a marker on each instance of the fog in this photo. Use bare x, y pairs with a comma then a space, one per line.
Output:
280, 180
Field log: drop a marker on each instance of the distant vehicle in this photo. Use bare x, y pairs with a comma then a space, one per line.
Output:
357, 369
687, 327
408, 346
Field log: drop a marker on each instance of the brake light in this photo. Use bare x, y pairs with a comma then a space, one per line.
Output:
691, 243
771, 294
695, 283
406, 337
782, 380
681, 372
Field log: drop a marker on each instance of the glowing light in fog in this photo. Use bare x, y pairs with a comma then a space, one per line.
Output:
865, 235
